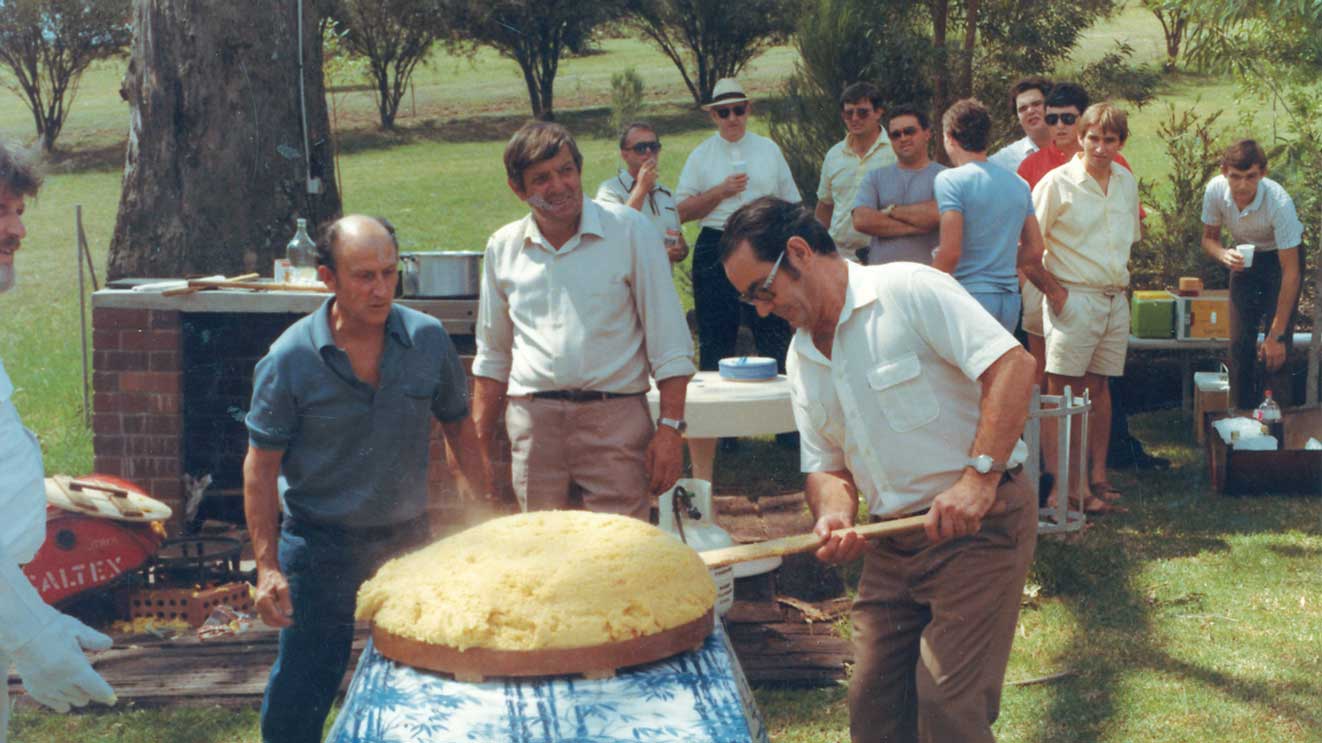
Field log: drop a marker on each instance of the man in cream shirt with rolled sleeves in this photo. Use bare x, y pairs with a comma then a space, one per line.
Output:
577, 307
1088, 212
45, 645
908, 394
729, 169
864, 149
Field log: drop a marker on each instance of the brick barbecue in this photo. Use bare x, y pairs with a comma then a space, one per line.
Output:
172, 381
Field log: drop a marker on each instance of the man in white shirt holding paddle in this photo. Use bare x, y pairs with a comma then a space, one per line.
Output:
907, 394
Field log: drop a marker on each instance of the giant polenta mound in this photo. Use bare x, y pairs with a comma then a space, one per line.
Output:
545, 580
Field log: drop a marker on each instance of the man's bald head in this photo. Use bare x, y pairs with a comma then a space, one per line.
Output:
357, 230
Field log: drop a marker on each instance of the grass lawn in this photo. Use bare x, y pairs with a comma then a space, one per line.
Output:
1193, 618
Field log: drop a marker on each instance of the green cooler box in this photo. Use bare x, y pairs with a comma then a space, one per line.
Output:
1152, 314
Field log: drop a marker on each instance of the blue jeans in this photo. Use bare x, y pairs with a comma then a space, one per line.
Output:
1004, 306
324, 566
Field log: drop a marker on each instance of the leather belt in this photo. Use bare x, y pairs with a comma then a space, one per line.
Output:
581, 395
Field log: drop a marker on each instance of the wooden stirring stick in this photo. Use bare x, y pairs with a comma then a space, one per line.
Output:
804, 542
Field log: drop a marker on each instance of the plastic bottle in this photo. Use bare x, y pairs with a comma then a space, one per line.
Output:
1269, 415
693, 521
302, 254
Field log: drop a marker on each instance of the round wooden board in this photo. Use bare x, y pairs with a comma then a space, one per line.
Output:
597, 661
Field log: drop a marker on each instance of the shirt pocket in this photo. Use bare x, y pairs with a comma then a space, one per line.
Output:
905, 397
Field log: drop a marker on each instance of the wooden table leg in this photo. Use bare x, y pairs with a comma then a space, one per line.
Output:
702, 452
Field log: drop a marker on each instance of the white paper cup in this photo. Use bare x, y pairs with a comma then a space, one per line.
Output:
740, 167
1246, 251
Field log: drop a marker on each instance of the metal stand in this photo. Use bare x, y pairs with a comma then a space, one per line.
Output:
1068, 411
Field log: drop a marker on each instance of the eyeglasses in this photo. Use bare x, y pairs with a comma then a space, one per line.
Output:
1066, 119
724, 113
762, 292
907, 131
642, 148
857, 113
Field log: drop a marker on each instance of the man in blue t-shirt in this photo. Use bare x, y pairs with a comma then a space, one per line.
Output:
988, 229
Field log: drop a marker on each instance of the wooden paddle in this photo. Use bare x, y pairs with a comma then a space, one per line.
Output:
197, 285
804, 542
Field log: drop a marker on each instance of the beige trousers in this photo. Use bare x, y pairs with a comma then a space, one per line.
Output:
933, 626
580, 454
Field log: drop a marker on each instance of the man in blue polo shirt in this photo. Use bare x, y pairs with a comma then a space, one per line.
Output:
338, 442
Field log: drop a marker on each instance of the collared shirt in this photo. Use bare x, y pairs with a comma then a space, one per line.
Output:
22, 484
842, 173
898, 402
1011, 155
597, 314
659, 208
354, 455
712, 161
1269, 221
1087, 233
894, 184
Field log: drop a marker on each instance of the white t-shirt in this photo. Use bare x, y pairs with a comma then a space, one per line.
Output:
713, 160
1269, 221
897, 404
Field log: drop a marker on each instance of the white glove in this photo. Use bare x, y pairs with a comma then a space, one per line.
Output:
54, 670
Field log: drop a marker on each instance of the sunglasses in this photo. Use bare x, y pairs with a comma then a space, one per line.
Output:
642, 148
739, 110
907, 131
857, 113
762, 292
1066, 119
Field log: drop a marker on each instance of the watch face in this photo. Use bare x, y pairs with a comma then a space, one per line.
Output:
982, 463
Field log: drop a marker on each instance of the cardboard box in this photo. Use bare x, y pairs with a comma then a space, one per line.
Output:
1293, 470
1152, 314
1206, 316
1211, 395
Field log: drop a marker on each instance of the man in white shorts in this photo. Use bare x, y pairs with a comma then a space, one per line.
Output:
1088, 212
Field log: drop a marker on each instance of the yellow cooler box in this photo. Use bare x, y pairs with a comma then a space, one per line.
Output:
1206, 316
1152, 314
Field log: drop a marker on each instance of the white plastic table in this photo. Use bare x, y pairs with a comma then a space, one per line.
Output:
718, 407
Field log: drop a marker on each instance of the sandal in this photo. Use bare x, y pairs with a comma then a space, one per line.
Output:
1096, 506
1105, 491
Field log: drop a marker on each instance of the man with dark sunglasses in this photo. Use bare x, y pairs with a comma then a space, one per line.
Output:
729, 169
636, 186
896, 205
863, 150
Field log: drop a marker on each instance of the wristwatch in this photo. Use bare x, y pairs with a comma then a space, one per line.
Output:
889, 208
983, 464
678, 424
1281, 338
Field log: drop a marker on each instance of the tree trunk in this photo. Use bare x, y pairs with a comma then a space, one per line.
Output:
216, 171
940, 83
970, 40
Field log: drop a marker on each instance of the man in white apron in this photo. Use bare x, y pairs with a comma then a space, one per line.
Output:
45, 645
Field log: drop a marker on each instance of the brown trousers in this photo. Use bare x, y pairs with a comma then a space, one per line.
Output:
581, 454
933, 626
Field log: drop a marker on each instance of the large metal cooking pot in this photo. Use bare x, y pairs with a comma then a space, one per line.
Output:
448, 274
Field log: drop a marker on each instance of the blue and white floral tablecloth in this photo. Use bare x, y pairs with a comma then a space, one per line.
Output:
695, 697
